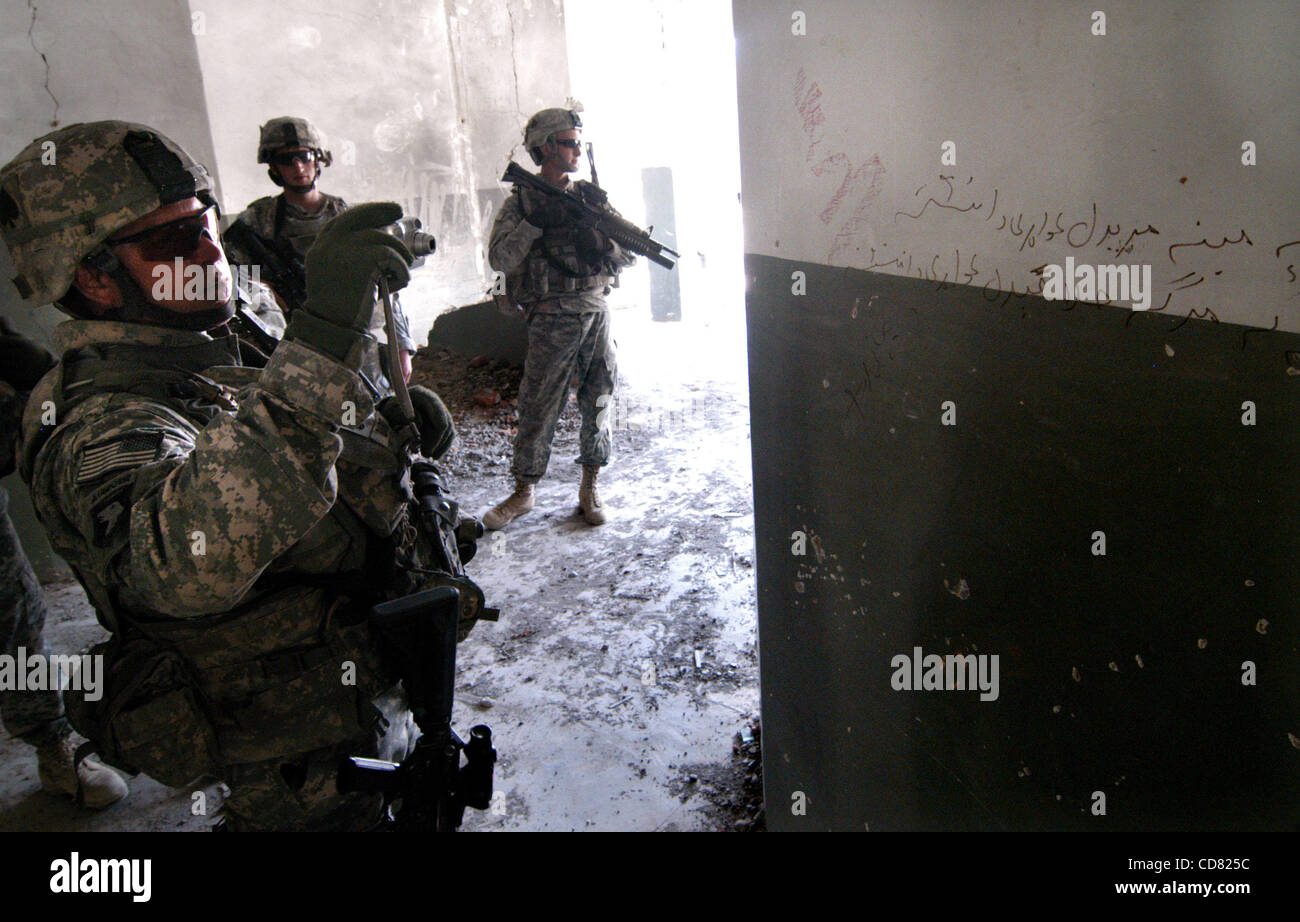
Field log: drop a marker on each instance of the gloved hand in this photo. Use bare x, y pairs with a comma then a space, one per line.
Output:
437, 431
549, 211
22, 362
592, 244
431, 417
342, 267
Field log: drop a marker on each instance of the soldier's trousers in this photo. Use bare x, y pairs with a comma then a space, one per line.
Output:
562, 346
31, 715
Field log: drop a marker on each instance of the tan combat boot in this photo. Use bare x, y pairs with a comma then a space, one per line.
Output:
515, 505
100, 786
588, 499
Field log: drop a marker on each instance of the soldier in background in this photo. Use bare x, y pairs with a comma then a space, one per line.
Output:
559, 272
35, 716
230, 524
275, 232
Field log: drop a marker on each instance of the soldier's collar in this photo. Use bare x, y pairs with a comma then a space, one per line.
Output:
184, 348
330, 207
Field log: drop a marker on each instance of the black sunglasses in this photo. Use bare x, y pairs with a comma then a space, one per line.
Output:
570, 143
289, 157
181, 237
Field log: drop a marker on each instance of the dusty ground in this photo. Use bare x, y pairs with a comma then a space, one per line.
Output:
623, 668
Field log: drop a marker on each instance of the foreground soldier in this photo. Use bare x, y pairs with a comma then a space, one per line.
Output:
35, 716
275, 232
559, 273
229, 530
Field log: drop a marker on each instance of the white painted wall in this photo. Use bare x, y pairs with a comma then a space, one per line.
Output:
841, 134
133, 60
114, 59
121, 59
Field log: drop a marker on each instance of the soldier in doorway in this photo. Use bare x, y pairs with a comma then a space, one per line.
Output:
559, 271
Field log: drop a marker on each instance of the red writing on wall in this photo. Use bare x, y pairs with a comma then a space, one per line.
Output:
860, 182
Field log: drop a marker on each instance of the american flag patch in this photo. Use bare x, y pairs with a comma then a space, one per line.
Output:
133, 450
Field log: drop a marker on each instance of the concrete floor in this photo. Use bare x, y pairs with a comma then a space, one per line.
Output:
624, 660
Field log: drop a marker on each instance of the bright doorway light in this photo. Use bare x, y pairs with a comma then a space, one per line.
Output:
657, 79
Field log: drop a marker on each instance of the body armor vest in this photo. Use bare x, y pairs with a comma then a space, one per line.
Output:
554, 268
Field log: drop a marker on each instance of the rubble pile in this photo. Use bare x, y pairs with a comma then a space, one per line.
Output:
482, 395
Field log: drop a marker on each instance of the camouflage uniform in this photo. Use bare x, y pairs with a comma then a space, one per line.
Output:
197, 453
33, 716
298, 230
231, 517
568, 333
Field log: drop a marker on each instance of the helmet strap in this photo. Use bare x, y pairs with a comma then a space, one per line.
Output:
272, 172
555, 151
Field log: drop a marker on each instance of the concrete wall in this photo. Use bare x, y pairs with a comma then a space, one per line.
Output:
936, 451
421, 102
67, 61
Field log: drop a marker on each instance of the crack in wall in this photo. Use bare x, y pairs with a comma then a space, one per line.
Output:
514, 57
514, 66
463, 147
54, 119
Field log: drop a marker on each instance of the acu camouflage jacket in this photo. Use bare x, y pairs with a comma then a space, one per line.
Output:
217, 508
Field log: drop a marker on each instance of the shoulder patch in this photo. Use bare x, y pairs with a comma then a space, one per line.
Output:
109, 515
133, 449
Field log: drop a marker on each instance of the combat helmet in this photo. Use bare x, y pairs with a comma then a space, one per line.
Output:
544, 125
71, 189
287, 131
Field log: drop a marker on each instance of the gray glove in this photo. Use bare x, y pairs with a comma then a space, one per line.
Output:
592, 244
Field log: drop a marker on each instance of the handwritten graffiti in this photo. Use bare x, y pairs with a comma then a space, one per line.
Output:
953, 196
1027, 227
862, 180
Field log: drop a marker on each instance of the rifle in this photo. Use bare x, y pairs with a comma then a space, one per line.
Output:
278, 269
590, 209
418, 635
